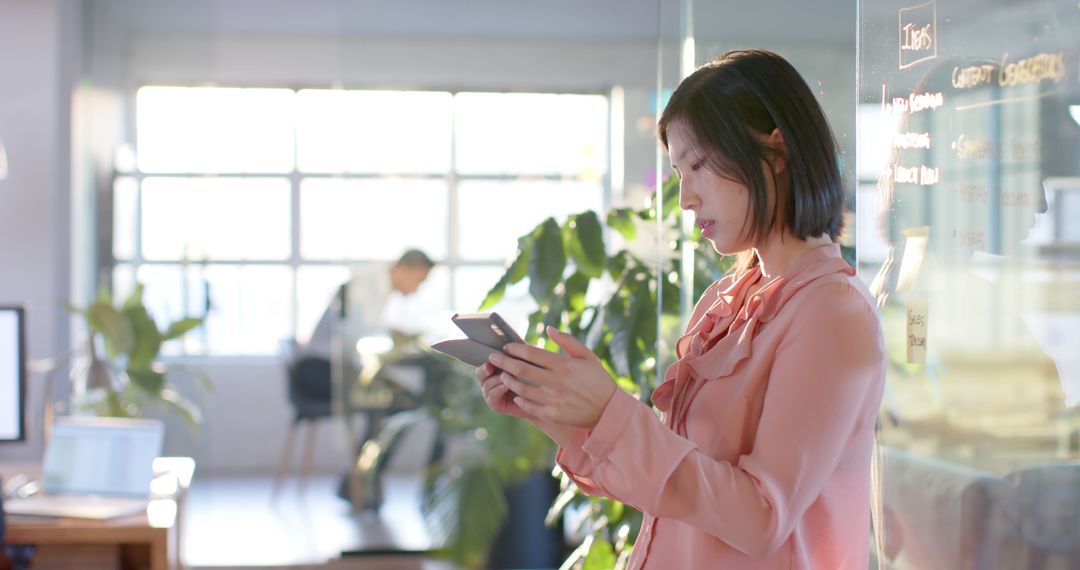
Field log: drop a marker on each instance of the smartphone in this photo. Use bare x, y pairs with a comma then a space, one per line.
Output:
487, 332
487, 328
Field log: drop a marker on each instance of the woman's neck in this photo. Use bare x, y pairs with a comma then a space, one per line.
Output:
780, 252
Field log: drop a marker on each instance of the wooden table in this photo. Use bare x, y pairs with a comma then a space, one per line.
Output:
146, 540
134, 540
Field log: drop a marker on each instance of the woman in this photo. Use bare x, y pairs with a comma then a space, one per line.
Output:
761, 457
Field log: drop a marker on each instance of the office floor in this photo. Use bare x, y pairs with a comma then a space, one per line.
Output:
232, 523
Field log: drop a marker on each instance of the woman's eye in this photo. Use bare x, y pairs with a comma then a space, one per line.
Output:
697, 165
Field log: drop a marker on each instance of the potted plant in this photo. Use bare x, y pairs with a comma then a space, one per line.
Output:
131, 377
562, 262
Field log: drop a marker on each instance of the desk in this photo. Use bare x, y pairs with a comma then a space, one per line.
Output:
139, 544
146, 540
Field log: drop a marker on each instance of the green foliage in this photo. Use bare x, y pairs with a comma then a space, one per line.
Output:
133, 344
601, 555
563, 263
459, 492
465, 503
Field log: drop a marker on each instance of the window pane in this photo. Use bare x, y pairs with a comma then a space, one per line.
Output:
494, 214
472, 285
125, 191
168, 296
250, 308
530, 133
123, 280
315, 287
212, 129
215, 218
372, 219
373, 131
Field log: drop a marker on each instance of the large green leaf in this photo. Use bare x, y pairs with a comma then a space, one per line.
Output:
613, 510
148, 380
621, 339
467, 509
135, 299
518, 270
622, 221
496, 293
147, 337
173, 401
586, 243
642, 320
601, 555
546, 261
617, 264
670, 203
532, 331
104, 295
114, 327
179, 328
552, 317
574, 291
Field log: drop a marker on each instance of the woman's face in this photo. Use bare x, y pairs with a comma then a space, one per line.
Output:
720, 205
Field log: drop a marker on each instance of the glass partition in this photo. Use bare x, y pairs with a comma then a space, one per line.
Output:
967, 175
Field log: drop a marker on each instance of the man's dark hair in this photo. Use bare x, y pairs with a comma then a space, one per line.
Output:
415, 258
727, 105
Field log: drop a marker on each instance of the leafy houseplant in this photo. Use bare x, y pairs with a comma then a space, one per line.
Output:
131, 377
629, 329
562, 263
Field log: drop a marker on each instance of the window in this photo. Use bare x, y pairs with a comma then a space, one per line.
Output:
253, 204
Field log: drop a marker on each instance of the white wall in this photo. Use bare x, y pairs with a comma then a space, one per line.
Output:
39, 42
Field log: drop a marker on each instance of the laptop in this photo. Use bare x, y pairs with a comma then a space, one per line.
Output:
95, 468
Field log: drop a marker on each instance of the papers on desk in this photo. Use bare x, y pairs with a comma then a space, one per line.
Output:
76, 506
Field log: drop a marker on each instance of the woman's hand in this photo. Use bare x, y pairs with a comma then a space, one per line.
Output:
569, 389
496, 395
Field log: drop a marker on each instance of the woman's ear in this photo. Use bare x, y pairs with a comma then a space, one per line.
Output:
777, 151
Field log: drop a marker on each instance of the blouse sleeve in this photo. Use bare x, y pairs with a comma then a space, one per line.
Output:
823, 389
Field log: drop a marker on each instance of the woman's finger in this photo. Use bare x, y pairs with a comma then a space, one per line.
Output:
485, 370
520, 388
495, 396
533, 354
519, 368
498, 390
534, 408
567, 342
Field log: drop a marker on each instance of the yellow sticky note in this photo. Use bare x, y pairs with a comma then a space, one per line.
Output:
917, 319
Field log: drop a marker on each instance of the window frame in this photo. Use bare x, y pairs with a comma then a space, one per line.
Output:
453, 178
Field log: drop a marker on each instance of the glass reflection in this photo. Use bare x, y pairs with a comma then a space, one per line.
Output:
976, 286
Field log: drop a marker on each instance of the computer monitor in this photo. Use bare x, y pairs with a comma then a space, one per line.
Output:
12, 374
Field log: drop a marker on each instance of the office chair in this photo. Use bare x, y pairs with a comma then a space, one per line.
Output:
310, 393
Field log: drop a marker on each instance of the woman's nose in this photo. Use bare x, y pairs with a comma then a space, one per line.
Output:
686, 197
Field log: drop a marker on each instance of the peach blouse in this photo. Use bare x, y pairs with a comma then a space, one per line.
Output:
761, 455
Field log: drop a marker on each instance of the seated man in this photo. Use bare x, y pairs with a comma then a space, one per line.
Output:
364, 306
375, 302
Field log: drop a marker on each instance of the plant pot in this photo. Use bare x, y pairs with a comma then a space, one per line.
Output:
92, 379
525, 542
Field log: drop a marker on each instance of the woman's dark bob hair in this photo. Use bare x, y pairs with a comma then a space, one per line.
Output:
728, 104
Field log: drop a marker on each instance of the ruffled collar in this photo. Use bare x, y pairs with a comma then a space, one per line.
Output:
714, 343
766, 302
